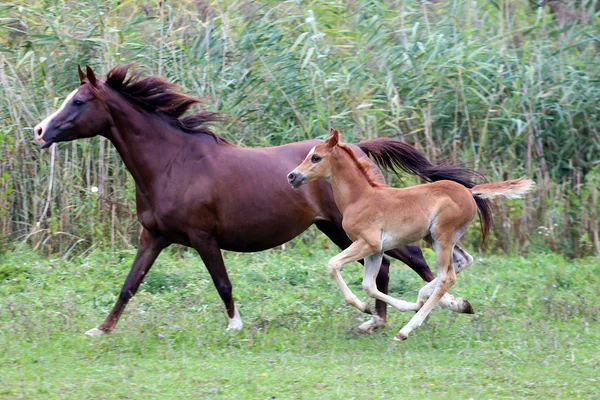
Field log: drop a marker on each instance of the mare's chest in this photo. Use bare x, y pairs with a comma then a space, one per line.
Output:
175, 210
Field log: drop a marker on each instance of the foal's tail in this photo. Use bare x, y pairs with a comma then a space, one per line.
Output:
512, 189
394, 155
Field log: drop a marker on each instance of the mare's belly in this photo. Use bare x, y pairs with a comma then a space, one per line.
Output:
259, 238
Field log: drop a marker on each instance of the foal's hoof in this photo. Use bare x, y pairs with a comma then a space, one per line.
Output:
468, 308
95, 332
400, 337
368, 309
369, 326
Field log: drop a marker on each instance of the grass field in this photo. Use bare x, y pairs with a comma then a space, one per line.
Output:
536, 332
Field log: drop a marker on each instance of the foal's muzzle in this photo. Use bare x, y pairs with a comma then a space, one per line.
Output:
295, 179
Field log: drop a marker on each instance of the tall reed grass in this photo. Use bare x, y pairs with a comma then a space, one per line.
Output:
498, 85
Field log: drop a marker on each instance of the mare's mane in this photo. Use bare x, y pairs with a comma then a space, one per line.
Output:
364, 166
160, 97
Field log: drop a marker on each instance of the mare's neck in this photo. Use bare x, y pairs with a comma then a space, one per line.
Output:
148, 145
349, 183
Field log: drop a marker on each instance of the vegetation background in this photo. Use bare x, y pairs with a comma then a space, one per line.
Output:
508, 87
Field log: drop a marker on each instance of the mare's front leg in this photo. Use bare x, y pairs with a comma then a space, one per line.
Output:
151, 244
357, 251
206, 245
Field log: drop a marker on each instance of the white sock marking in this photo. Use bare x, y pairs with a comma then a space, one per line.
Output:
235, 323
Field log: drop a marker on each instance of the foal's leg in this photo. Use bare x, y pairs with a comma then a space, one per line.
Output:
150, 247
357, 251
206, 245
412, 255
334, 231
461, 260
371, 269
446, 278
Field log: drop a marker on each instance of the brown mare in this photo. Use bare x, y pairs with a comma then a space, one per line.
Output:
196, 189
378, 217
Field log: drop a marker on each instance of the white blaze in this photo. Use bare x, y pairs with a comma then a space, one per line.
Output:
44, 124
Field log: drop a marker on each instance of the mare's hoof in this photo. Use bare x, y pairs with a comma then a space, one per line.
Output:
400, 337
234, 326
95, 332
468, 308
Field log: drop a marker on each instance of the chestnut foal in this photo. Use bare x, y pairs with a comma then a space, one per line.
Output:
378, 217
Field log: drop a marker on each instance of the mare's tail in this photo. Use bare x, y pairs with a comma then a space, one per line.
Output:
394, 155
512, 189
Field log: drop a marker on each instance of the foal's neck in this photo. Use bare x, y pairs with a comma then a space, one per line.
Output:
349, 182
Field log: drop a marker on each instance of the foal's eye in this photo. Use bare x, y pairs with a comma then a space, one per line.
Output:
77, 102
315, 158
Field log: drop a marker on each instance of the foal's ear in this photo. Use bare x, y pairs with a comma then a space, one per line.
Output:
334, 138
82, 77
90, 76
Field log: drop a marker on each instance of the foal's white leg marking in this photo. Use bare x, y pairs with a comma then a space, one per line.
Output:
235, 323
47, 120
461, 259
95, 332
372, 265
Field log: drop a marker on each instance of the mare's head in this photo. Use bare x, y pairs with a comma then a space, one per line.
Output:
317, 164
87, 111
83, 114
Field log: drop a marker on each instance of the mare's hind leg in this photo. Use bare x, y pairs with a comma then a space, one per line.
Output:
461, 260
206, 245
412, 256
446, 278
371, 269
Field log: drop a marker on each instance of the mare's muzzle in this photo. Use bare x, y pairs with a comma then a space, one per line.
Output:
295, 179
45, 134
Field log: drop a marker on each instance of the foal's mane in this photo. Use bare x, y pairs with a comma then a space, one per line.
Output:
160, 97
363, 166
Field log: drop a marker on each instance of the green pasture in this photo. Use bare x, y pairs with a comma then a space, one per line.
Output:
535, 333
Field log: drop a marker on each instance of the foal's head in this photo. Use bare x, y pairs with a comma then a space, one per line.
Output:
317, 164
83, 114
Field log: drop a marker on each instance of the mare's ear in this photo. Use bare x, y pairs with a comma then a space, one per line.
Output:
90, 76
82, 77
334, 138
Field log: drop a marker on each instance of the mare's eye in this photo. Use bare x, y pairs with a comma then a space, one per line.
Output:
315, 158
77, 102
